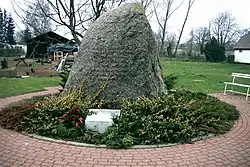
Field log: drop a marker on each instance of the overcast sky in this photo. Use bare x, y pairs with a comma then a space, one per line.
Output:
201, 12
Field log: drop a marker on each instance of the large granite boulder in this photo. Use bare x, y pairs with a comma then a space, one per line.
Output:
119, 55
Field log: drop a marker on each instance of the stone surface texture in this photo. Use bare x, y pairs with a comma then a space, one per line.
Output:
119, 53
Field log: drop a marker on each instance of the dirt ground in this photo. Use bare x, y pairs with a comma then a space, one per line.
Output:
40, 70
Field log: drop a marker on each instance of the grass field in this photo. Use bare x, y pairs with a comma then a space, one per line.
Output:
193, 76
203, 77
16, 86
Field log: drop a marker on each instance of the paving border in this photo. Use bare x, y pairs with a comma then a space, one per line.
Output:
73, 143
230, 150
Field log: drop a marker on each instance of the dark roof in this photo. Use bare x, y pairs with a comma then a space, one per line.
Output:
49, 36
244, 42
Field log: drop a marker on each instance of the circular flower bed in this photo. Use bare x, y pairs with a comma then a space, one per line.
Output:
176, 117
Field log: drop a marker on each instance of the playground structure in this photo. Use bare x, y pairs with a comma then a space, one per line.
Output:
61, 53
49, 47
57, 55
22, 59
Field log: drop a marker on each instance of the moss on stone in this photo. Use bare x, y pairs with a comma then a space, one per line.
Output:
138, 8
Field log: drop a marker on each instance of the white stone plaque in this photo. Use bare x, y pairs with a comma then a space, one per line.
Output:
101, 119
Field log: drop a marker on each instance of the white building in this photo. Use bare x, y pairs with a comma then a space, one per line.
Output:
242, 50
23, 47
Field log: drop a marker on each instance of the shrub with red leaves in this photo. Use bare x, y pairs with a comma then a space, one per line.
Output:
73, 117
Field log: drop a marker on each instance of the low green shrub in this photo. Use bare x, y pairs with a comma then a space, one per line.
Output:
230, 59
176, 117
64, 77
69, 108
114, 139
4, 64
170, 81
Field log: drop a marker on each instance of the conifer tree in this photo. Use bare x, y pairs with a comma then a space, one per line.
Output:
26, 34
1, 26
5, 24
10, 31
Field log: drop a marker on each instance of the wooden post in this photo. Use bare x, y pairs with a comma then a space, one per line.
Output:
225, 89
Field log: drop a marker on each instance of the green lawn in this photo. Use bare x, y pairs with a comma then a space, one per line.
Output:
203, 77
16, 86
193, 76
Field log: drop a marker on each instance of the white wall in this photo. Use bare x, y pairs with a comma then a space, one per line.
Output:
242, 57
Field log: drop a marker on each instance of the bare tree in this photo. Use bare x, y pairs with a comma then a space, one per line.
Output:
171, 42
191, 42
200, 36
148, 6
75, 15
243, 32
98, 7
23, 35
64, 13
167, 7
36, 19
240, 33
171, 38
33, 17
190, 4
224, 28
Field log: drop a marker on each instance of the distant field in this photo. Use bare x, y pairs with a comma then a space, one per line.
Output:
16, 86
203, 77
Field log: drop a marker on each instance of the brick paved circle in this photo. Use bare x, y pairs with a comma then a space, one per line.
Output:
231, 150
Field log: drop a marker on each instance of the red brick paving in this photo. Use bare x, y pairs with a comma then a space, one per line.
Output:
231, 150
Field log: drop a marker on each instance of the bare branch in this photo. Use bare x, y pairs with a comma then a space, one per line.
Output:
168, 5
225, 29
190, 4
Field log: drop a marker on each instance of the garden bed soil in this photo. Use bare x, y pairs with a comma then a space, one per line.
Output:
12, 116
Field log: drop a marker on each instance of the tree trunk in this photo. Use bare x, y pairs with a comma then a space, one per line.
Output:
183, 26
